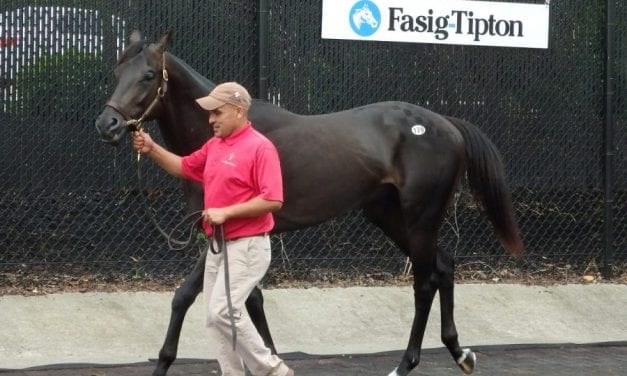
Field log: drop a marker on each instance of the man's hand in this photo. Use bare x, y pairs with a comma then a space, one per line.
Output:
142, 142
215, 216
252, 208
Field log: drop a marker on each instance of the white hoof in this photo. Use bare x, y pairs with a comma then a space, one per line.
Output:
393, 373
467, 361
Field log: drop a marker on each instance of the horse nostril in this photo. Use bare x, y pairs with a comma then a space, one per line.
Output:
113, 123
108, 125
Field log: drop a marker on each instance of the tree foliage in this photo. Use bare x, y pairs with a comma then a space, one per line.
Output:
59, 85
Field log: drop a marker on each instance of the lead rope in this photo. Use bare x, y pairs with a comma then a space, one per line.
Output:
138, 124
218, 235
134, 125
173, 244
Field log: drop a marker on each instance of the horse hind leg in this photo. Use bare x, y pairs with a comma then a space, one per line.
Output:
254, 306
424, 198
424, 292
385, 211
441, 280
465, 358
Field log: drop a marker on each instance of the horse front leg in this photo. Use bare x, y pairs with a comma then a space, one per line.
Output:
465, 358
184, 297
424, 292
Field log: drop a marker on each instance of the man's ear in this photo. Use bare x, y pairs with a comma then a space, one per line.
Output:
240, 112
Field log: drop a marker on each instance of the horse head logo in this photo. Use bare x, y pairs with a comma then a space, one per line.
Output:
361, 15
365, 18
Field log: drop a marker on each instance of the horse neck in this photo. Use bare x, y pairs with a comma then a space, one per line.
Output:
182, 122
357, 18
184, 125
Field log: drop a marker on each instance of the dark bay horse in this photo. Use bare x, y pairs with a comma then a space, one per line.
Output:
398, 162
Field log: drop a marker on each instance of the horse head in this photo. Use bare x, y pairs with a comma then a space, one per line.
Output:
364, 15
140, 79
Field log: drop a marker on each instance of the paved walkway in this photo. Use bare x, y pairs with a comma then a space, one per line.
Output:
128, 328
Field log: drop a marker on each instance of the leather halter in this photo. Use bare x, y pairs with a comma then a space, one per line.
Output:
137, 124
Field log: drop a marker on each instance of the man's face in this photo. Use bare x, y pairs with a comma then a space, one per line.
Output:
225, 120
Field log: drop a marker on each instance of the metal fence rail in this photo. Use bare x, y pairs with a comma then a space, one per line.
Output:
70, 203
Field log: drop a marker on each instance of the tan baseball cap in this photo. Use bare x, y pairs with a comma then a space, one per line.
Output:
228, 92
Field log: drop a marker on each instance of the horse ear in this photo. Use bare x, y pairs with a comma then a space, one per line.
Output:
136, 36
164, 42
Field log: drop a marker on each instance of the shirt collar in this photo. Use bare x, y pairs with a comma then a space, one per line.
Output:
232, 139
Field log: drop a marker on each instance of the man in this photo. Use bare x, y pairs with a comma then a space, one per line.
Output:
241, 177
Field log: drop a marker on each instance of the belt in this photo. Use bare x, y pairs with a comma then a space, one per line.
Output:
247, 236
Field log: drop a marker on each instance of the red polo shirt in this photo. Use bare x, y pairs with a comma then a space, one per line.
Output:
234, 170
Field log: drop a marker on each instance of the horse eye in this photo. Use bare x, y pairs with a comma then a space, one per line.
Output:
149, 75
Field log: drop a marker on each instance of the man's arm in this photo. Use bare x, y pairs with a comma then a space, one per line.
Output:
169, 161
251, 208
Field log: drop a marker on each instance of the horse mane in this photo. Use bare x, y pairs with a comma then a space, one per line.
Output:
199, 80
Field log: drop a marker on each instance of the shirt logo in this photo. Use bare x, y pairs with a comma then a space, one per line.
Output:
230, 160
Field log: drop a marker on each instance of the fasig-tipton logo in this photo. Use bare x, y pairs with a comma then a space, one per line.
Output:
365, 18
458, 22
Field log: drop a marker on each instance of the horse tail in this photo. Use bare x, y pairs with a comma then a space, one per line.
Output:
486, 176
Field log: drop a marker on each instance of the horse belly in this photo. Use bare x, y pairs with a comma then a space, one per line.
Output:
322, 192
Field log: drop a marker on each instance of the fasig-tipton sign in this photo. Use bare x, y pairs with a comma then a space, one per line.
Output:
479, 23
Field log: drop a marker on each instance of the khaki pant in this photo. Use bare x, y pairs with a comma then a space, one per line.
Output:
249, 259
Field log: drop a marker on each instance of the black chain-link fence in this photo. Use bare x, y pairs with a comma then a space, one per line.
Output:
70, 203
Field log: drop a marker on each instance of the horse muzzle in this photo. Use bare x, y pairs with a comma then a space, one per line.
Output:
110, 126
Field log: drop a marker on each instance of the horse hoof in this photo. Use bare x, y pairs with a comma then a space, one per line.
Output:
467, 361
394, 373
